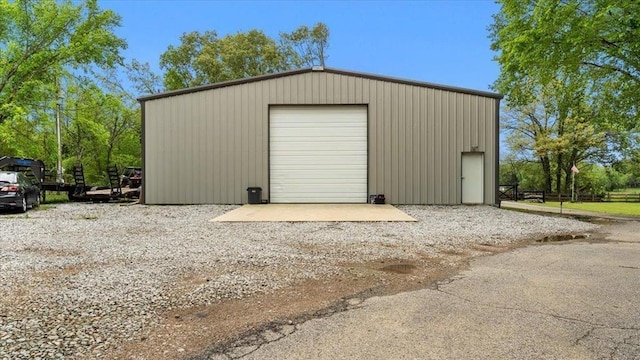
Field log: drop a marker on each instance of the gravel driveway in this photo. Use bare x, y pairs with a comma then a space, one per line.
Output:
79, 279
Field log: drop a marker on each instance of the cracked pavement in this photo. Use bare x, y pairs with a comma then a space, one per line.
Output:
578, 299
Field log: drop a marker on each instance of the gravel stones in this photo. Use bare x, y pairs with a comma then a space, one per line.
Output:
79, 279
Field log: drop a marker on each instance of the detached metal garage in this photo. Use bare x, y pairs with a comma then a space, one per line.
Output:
321, 135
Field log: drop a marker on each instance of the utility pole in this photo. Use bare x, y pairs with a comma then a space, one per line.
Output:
59, 178
574, 171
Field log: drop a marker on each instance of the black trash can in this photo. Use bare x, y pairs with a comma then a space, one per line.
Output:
255, 195
379, 199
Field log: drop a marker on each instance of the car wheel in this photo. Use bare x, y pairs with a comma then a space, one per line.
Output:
37, 203
23, 205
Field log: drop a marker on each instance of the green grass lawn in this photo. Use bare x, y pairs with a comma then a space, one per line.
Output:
622, 208
55, 198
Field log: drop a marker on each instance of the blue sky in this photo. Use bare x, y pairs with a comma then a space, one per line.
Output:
442, 42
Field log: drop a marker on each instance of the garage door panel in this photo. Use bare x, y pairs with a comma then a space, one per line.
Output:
320, 135
355, 170
311, 147
303, 188
314, 126
348, 175
318, 122
316, 137
345, 168
318, 154
320, 199
305, 184
318, 160
320, 196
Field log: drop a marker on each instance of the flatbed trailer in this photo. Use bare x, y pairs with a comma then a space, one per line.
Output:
79, 191
113, 192
103, 195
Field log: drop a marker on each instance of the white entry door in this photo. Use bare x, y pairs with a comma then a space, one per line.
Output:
473, 178
318, 154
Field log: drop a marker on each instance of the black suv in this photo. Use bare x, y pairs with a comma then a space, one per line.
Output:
17, 191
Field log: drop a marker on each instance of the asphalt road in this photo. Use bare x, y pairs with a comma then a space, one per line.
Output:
568, 300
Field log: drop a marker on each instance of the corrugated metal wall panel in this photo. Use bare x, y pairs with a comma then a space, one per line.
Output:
453, 146
209, 146
416, 132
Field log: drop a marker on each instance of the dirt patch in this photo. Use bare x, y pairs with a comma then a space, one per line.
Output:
233, 325
51, 276
401, 268
194, 332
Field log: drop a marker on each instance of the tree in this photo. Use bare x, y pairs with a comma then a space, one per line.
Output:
203, 58
579, 60
143, 79
526, 174
39, 38
181, 64
529, 129
307, 46
65, 52
248, 54
540, 41
43, 42
557, 128
101, 127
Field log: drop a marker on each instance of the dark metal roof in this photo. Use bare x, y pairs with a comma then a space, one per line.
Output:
318, 69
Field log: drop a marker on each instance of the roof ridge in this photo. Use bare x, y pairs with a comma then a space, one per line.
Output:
318, 69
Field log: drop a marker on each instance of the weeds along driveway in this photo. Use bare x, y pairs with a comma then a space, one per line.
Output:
80, 279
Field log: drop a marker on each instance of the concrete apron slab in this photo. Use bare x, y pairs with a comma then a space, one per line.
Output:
315, 212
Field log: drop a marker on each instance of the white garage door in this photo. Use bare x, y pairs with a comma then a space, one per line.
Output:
318, 154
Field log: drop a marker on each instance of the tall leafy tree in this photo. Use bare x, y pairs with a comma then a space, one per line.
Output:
193, 62
144, 80
248, 54
539, 40
39, 37
559, 128
101, 128
528, 130
40, 42
203, 58
581, 56
307, 46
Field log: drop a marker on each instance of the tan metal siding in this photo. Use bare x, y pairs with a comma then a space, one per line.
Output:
209, 146
416, 131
